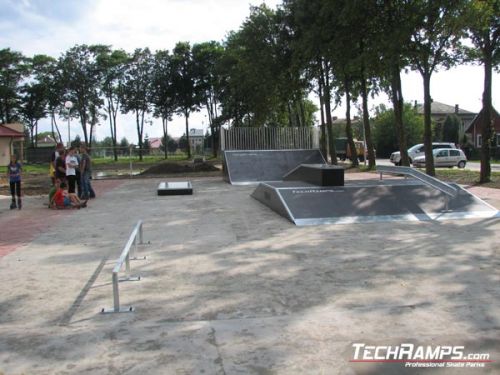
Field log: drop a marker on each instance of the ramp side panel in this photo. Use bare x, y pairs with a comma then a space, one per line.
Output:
271, 197
420, 201
265, 165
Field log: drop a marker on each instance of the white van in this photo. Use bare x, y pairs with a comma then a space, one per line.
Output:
418, 150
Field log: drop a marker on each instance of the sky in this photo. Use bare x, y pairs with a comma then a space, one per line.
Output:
52, 26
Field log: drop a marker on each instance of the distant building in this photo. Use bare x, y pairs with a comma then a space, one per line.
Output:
155, 144
439, 112
46, 141
11, 142
196, 138
473, 131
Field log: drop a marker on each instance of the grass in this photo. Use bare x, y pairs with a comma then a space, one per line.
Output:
467, 177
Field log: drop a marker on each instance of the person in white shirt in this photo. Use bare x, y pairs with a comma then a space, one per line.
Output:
71, 164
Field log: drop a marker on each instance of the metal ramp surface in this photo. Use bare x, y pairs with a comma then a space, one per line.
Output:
370, 201
247, 167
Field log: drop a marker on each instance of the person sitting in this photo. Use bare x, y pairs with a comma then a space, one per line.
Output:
63, 200
52, 192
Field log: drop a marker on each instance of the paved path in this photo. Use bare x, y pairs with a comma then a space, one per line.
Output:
20, 227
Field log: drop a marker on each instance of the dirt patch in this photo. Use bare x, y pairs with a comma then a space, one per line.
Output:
32, 184
180, 168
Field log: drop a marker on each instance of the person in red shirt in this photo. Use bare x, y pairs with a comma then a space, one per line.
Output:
62, 199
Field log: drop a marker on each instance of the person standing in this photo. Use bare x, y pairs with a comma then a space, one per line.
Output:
60, 173
71, 164
53, 159
14, 172
86, 173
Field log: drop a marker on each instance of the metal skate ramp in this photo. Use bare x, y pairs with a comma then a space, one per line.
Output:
369, 201
246, 167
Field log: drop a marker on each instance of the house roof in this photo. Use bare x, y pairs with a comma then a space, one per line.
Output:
7, 132
155, 142
438, 108
478, 119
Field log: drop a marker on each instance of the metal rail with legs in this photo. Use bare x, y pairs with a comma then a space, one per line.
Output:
125, 258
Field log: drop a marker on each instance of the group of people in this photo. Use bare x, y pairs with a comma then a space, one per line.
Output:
70, 172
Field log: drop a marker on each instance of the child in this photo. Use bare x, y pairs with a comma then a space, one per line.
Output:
14, 172
62, 199
52, 192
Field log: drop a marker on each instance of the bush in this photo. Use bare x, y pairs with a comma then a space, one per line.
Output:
384, 134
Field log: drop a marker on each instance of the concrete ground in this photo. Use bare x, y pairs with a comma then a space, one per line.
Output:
230, 287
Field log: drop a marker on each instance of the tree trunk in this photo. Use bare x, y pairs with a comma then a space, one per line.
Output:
322, 140
348, 127
366, 124
397, 102
165, 133
486, 128
139, 132
327, 90
186, 115
54, 123
429, 158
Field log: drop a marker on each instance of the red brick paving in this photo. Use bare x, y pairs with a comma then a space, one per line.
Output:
20, 227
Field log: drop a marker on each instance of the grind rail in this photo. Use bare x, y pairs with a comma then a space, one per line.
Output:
125, 258
415, 173
448, 190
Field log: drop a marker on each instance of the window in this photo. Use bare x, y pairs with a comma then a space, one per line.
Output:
479, 140
454, 153
442, 154
498, 140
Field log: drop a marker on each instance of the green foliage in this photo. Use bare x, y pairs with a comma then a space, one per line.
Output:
170, 143
77, 142
14, 68
383, 129
183, 143
451, 128
138, 89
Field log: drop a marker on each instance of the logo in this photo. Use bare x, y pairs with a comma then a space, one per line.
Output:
420, 355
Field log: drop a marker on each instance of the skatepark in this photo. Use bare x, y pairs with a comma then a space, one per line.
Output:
231, 286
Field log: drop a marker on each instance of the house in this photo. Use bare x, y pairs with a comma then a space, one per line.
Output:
439, 112
11, 142
196, 138
154, 145
473, 131
46, 141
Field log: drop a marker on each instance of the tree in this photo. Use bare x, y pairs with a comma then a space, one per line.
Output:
183, 143
311, 48
207, 57
433, 45
187, 96
146, 145
137, 91
396, 23
164, 98
14, 68
33, 104
81, 77
112, 65
451, 129
168, 144
386, 141
77, 142
484, 32
124, 146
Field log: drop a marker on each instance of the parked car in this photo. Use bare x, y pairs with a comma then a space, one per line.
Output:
418, 150
444, 157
